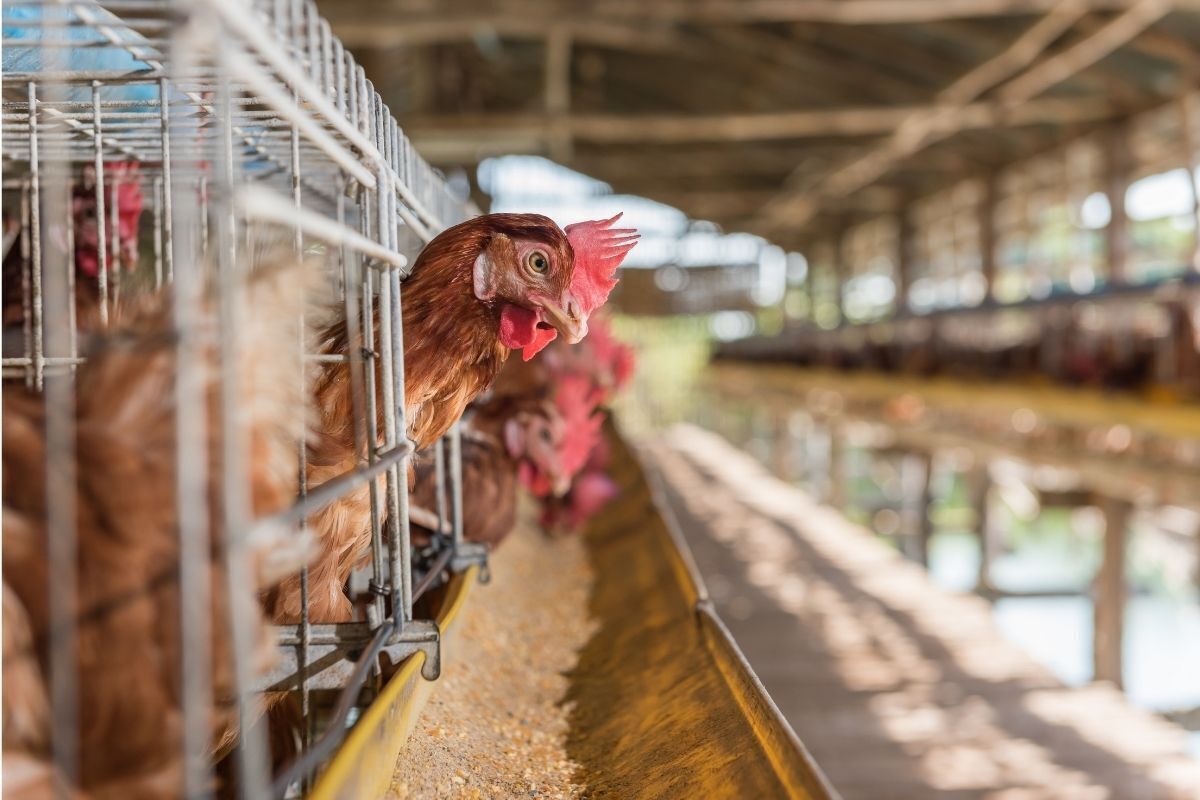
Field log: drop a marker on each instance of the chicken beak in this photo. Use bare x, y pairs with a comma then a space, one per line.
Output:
562, 485
566, 317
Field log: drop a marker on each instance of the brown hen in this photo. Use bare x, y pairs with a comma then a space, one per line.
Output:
505, 440
479, 290
128, 639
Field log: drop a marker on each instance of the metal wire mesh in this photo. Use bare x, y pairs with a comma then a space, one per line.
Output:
222, 118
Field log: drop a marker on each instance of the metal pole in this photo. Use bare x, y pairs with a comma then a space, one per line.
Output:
456, 477
102, 259
183, 227
242, 603
49, 203
402, 554
301, 451
27, 269
439, 468
164, 104
35, 243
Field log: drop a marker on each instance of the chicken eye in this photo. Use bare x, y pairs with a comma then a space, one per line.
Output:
538, 262
544, 434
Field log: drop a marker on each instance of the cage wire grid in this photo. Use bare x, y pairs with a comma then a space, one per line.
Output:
229, 117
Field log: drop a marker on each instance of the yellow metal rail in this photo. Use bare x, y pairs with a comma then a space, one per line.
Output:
664, 703
792, 764
364, 765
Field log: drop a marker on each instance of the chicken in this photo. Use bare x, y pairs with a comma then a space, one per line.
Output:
124, 193
585, 457
540, 428
26, 707
591, 491
505, 441
585, 379
128, 638
480, 289
603, 359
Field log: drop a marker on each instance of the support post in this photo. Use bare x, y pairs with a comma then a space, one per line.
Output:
801, 429
1109, 593
781, 446
834, 493
842, 270
1196, 563
905, 257
915, 482
987, 233
1116, 182
1187, 128
979, 482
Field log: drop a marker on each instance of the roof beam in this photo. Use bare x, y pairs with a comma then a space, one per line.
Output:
1116, 34
846, 12
557, 91
527, 18
488, 130
796, 205
1020, 54
827, 73
360, 30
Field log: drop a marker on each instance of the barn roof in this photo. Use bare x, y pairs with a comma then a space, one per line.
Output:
778, 118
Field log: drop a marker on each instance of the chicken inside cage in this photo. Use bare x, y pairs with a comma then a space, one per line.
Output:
240, 314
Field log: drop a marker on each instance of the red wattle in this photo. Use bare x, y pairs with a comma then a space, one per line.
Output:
518, 326
534, 480
541, 338
519, 331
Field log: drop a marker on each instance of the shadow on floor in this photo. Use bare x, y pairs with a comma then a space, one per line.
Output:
886, 708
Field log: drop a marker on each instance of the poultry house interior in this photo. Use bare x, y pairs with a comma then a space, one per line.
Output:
529, 398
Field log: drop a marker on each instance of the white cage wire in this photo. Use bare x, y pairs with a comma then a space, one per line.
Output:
220, 118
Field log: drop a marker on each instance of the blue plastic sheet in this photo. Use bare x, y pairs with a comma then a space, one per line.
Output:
59, 23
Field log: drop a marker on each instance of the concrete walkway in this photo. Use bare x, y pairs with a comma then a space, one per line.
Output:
899, 689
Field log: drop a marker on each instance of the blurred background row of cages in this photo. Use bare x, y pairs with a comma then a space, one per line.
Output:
1045, 219
1019, 508
166, 155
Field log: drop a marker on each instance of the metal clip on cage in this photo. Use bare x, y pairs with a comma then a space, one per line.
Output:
226, 116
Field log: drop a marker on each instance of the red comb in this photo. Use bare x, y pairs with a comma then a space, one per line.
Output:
599, 250
576, 400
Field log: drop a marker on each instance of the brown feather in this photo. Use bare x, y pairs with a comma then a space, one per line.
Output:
128, 642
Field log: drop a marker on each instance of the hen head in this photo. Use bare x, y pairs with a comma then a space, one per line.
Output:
535, 438
577, 399
122, 189
525, 268
544, 280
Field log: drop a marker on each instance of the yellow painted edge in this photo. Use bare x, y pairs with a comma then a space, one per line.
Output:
793, 765
364, 765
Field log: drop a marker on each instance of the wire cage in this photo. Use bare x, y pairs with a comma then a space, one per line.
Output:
146, 144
